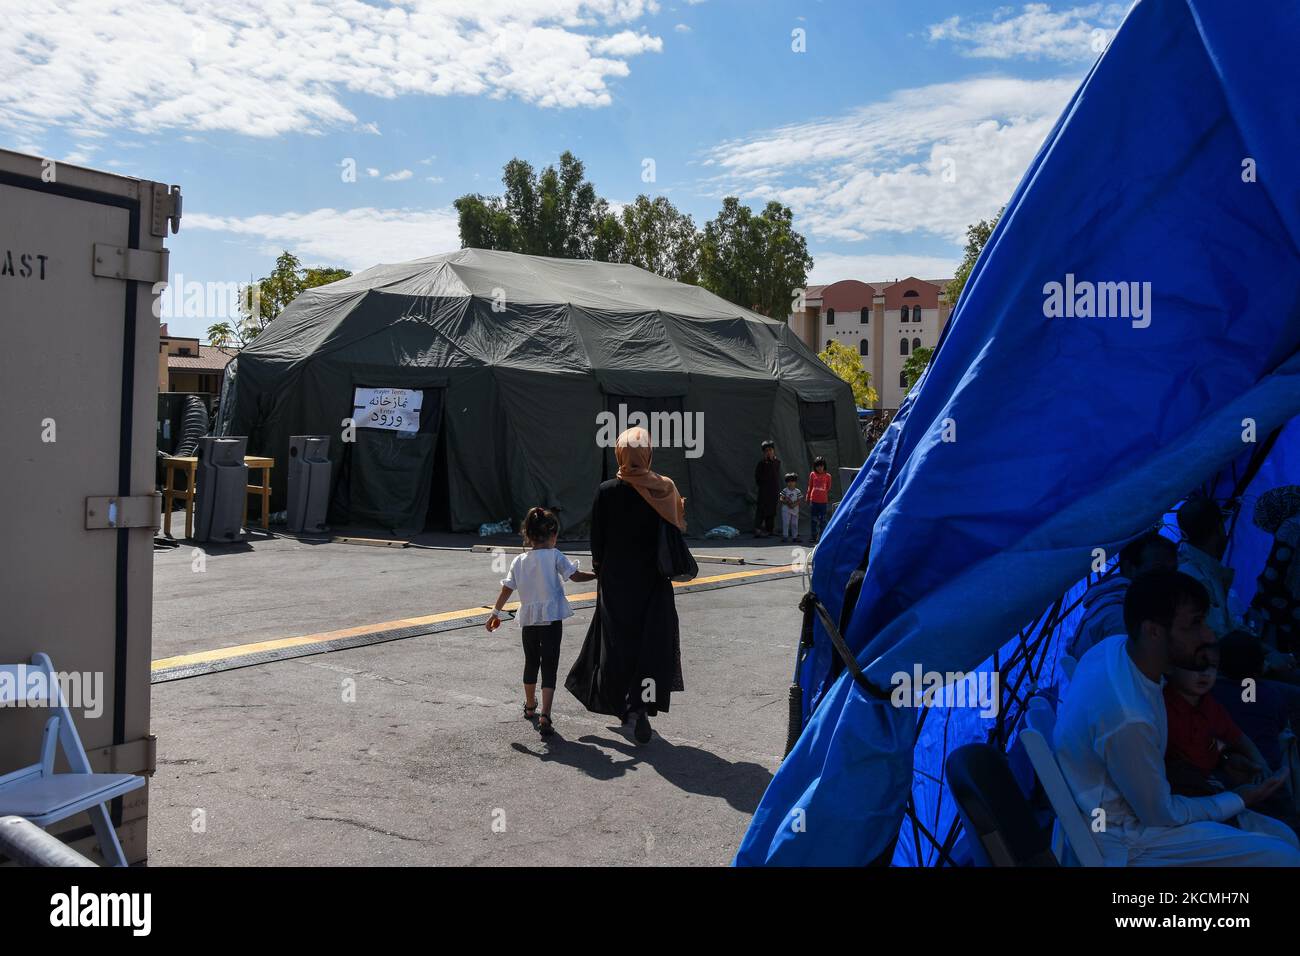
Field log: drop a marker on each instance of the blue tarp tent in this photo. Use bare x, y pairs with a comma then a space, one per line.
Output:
1043, 430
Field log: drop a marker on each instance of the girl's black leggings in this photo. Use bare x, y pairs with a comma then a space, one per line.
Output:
542, 650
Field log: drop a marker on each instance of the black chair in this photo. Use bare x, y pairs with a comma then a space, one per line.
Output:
999, 821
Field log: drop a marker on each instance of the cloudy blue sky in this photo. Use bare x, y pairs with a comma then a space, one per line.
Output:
899, 122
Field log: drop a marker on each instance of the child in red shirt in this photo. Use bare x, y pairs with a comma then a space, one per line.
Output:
1206, 751
819, 496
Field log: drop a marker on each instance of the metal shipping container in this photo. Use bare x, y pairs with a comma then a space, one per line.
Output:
81, 256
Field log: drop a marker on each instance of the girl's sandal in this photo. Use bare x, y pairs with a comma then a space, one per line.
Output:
530, 713
545, 729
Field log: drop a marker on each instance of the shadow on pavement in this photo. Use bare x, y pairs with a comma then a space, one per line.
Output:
590, 759
688, 768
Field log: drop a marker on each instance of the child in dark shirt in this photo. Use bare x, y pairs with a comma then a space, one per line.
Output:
767, 479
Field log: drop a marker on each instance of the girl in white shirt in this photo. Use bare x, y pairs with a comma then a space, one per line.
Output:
539, 575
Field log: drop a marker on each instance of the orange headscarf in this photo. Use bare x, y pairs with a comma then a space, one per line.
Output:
632, 451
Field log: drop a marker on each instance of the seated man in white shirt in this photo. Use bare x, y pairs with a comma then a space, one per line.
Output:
1111, 734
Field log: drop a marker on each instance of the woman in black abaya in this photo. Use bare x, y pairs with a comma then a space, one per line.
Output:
630, 662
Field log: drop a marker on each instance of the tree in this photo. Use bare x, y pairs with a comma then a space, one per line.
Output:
754, 261
916, 363
784, 261
484, 223
263, 300
728, 254
976, 237
556, 213
608, 236
221, 334
659, 239
847, 364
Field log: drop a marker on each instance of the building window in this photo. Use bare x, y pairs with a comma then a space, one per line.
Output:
903, 314
902, 346
862, 347
902, 380
830, 316
828, 343
916, 313
916, 344
911, 294
864, 315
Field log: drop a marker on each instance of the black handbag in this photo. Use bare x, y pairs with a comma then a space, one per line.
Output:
676, 562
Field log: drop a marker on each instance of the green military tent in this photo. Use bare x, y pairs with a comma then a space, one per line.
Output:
483, 383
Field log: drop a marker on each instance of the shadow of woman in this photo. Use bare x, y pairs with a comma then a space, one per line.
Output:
588, 758
695, 770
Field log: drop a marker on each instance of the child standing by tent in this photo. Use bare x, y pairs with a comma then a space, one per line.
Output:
539, 575
819, 496
790, 498
767, 477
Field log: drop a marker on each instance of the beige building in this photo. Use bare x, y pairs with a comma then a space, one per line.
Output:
884, 322
187, 365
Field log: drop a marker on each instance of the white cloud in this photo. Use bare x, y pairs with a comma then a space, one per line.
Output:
682, 28
830, 267
929, 160
434, 179
371, 172
627, 44
1036, 32
352, 238
399, 176
82, 154
267, 67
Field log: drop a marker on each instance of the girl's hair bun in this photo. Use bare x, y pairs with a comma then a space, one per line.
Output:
540, 525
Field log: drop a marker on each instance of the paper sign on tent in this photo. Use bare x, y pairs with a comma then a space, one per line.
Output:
390, 409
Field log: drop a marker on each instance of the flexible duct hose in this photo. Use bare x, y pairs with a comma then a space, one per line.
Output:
193, 427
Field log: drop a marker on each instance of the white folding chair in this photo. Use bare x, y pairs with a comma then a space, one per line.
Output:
1071, 832
42, 796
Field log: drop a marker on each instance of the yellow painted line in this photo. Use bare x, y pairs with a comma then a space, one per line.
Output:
734, 575
257, 647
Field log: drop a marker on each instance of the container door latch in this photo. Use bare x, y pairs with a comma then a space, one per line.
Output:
134, 265
114, 512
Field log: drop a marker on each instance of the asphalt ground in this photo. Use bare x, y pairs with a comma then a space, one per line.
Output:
415, 751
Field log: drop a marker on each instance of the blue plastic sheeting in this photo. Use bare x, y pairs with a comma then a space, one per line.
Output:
947, 728
1071, 432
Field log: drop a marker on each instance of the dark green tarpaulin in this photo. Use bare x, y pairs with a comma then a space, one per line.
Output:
517, 357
